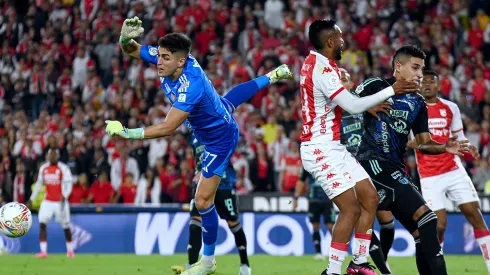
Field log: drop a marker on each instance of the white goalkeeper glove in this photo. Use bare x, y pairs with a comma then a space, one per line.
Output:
131, 29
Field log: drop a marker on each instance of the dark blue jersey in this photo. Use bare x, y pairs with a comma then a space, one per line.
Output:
386, 140
228, 181
351, 131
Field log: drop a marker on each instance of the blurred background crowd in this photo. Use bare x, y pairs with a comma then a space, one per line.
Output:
63, 74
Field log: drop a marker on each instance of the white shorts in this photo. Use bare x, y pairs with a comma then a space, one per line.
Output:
49, 209
455, 185
332, 166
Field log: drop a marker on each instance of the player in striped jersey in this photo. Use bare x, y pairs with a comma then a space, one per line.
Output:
343, 179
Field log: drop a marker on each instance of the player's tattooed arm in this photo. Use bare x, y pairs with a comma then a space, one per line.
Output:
174, 119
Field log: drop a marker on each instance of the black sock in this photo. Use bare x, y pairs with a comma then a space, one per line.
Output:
386, 237
317, 241
195, 241
422, 264
427, 225
241, 243
377, 255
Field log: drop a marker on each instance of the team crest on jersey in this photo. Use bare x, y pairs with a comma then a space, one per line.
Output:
334, 80
443, 112
153, 51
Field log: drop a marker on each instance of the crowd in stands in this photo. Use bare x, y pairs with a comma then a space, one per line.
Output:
62, 74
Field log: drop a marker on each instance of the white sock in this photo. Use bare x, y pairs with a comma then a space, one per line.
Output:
360, 252
336, 256
44, 246
484, 243
207, 260
69, 247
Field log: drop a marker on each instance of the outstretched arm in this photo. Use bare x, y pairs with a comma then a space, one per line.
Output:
130, 30
173, 120
356, 105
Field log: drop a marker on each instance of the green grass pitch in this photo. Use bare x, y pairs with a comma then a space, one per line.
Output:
85, 264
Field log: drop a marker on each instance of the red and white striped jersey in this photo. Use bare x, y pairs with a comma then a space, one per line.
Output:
319, 85
444, 120
57, 179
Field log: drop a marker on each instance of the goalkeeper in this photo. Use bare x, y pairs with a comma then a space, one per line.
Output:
195, 101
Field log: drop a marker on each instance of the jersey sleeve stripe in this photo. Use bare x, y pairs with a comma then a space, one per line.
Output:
337, 92
455, 131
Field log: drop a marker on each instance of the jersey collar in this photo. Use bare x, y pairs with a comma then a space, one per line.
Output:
325, 59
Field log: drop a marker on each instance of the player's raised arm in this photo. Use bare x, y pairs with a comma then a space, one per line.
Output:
131, 30
357, 105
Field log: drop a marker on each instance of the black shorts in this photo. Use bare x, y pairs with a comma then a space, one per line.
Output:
226, 205
397, 192
318, 208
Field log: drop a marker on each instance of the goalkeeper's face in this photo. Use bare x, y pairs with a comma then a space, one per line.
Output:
170, 63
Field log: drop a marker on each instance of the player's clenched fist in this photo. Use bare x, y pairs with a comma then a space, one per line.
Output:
132, 28
115, 128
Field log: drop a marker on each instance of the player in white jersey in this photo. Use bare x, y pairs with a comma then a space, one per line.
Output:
443, 175
342, 178
57, 178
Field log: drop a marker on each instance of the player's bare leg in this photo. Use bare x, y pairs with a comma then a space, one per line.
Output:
427, 231
350, 211
368, 200
204, 198
43, 237
473, 214
241, 245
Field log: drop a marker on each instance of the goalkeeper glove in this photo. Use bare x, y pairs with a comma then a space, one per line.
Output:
115, 128
131, 29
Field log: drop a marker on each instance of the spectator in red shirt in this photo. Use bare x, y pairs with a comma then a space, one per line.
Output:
478, 86
185, 183
262, 172
290, 168
101, 190
474, 36
168, 182
127, 191
80, 191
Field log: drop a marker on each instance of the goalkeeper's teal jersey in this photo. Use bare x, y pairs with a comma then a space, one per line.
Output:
193, 92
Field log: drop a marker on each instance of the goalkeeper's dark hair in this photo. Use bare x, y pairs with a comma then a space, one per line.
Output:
176, 42
405, 52
317, 30
431, 72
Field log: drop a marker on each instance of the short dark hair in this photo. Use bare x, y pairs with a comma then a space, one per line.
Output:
407, 51
316, 29
431, 72
176, 42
